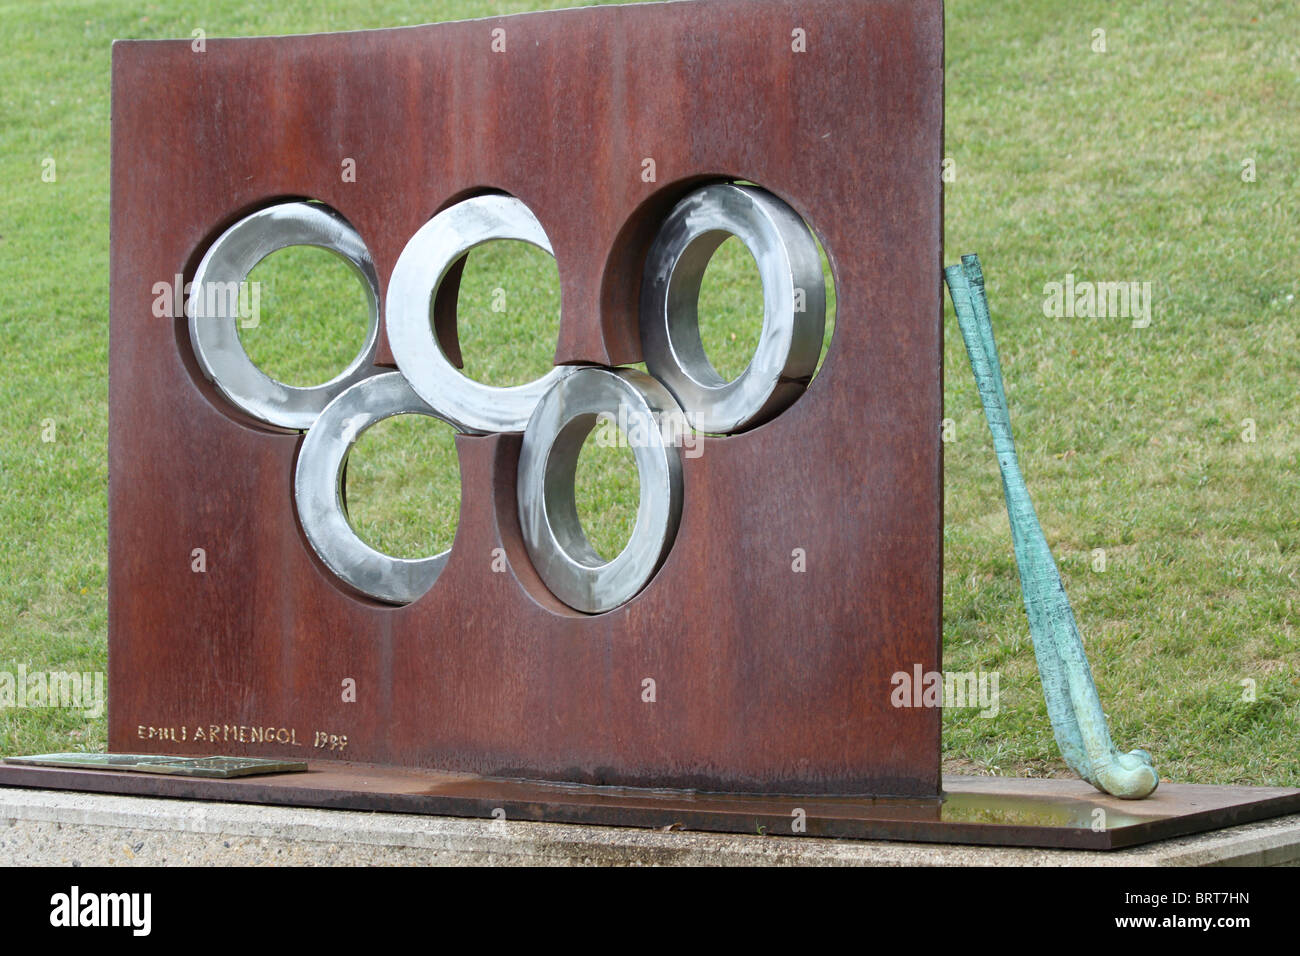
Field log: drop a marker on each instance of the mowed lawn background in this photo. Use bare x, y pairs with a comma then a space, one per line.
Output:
1171, 157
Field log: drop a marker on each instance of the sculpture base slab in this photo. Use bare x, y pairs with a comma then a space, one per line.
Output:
988, 811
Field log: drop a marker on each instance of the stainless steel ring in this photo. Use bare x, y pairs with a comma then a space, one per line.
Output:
431, 252
548, 516
790, 343
215, 337
318, 492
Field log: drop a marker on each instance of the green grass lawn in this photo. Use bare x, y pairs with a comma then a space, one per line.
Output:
1122, 165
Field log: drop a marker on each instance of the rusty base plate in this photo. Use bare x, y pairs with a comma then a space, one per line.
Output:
989, 811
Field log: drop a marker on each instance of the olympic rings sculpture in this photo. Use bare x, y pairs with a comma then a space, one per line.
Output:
555, 412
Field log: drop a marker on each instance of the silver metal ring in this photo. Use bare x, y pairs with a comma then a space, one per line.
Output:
318, 493
437, 246
226, 265
548, 516
791, 339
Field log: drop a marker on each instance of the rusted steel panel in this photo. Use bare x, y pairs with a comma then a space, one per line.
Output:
767, 680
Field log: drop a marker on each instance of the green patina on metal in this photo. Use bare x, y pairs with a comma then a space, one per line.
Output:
1072, 702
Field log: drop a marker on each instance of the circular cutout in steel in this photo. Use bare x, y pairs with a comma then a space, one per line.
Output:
437, 246
318, 492
213, 312
794, 306
548, 460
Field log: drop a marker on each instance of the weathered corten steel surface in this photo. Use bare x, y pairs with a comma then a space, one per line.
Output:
990, 811
767, 680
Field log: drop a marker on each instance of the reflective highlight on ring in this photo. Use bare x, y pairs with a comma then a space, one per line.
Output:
794, 306
318, 492
548, 460
438, 245
215, 338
